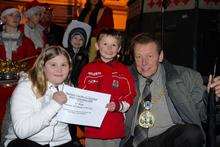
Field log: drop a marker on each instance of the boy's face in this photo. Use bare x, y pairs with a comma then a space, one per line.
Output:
77, 41
108, 47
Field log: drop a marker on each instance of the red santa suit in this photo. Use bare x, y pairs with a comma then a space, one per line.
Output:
112, 78
14, 47
35, 33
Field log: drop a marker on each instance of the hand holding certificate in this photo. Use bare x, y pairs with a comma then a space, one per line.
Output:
83, 107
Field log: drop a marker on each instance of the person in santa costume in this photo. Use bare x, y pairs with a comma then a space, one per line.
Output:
14, 46
33, 29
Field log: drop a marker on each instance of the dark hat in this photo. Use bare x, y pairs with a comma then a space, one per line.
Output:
75, 27
78, 31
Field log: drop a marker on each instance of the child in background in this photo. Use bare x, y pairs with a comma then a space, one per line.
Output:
75, 41
32, 29
37, 99
105, 74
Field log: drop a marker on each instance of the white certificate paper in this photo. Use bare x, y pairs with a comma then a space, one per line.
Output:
83, 107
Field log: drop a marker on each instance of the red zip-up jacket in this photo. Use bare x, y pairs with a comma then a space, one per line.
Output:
112, 78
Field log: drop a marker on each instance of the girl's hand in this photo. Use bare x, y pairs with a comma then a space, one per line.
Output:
111, 106
60, 97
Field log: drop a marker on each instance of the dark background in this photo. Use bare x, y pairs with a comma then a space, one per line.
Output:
191, 37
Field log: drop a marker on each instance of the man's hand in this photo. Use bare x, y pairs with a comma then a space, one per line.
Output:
214, 83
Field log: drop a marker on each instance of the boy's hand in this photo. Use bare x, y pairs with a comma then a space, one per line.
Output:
111, 106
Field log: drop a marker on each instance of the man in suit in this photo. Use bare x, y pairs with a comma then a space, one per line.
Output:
172, 115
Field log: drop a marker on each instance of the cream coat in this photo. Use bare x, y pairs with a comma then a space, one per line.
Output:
35, 119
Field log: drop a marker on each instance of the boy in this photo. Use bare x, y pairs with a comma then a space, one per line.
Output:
105, 74
75, 41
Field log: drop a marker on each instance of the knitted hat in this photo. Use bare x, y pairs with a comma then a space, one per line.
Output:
77, 28
8, 11
33, 8
78, 31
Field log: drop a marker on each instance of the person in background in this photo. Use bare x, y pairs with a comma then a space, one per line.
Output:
32, 29
106, 74
53, 32
13, 44
14, 47
98, 17
37, 99
75, 40
176, 101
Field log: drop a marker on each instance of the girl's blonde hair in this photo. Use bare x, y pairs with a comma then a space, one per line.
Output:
36, 73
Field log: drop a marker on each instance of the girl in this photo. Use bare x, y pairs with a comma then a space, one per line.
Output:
37, 99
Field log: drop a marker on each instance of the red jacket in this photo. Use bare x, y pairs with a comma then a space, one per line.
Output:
112, 78
25, 50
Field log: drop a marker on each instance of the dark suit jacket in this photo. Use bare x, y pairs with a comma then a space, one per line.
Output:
186, 91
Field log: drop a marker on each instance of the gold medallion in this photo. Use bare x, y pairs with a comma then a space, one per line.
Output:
146, 119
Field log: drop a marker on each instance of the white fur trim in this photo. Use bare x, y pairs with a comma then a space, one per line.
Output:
76, 24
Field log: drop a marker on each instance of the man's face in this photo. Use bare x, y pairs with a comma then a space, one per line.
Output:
147, 58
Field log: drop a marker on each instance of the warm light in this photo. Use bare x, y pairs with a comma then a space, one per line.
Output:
119, 9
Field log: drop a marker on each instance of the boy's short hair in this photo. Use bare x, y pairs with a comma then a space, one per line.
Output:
110, 32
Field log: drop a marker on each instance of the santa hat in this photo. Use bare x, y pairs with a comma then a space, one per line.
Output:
8, 11
77, 28
33, 8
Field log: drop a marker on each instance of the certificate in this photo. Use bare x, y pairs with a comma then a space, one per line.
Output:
83, 107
